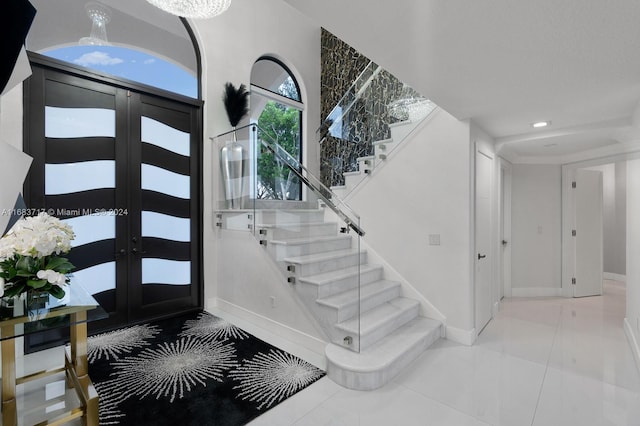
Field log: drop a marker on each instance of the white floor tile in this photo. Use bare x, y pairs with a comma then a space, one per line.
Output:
569, 399
497, 388
391, 405
523, 339
300, 404
596, 356
543, 310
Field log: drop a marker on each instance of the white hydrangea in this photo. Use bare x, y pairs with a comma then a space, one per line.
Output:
52, 276
37, 236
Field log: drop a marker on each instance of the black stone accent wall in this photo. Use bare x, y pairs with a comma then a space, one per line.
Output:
367, 122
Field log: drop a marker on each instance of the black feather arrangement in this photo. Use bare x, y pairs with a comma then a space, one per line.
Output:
236, 102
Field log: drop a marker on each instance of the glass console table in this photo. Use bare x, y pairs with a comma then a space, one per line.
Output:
73, 311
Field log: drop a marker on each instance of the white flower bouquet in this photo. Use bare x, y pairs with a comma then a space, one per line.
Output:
30, 258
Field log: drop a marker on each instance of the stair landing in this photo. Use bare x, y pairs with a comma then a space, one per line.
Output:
379, 363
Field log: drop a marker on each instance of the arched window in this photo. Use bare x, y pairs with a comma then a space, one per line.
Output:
277, 108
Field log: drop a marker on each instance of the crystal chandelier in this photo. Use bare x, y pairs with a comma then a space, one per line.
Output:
100, 16
410, 108
201, 9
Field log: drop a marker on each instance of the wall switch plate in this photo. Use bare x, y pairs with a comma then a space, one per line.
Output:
273, 301
434, 239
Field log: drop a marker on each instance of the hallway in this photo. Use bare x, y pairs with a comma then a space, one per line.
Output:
541, 362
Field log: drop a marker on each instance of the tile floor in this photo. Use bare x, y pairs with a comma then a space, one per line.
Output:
540, 362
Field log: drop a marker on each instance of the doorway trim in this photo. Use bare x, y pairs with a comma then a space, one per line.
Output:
505, 170
568, 251
480, 254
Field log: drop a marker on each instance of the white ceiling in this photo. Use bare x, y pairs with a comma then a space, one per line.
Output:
508, 63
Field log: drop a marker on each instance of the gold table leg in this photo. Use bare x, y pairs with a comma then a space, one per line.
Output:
8, 348
80, 365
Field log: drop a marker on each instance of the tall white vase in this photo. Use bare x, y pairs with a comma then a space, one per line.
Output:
232, 166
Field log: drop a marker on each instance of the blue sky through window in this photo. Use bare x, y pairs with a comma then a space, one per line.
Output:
132, 65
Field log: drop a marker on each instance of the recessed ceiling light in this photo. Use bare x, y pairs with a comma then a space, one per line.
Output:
541, 124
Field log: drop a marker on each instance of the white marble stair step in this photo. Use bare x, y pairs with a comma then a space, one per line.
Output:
339, 191
313, 264
351, 179
380, 363
289, 216
351, 302
311, 245
367, 162
381, 148
341, 280
401, 129
284, 205
378, 322
301, 230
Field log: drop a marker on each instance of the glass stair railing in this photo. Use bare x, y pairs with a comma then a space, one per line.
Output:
370, 120
314, 240
332, 125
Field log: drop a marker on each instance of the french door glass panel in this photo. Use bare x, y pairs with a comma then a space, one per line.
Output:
79, 122
77, 177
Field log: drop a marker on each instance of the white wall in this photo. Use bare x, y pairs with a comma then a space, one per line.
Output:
234, 274
632, 319
422, 189
536, 230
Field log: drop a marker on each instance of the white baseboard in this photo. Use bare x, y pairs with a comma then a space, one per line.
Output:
302, 345
614, 277
459, 335
536, 292
633, 341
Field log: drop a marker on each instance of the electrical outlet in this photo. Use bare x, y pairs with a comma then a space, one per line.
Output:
273, 301
434, 239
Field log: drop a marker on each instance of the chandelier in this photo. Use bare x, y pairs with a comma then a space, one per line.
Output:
410, 108
201, 9
100, 16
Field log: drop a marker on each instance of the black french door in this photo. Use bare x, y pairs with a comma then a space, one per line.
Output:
122, 165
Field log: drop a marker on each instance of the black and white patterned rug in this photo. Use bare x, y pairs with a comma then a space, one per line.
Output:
192, 370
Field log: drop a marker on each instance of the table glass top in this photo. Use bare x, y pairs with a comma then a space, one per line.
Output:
24, 316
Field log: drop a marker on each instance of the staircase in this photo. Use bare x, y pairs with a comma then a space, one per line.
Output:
375, 331
382, 148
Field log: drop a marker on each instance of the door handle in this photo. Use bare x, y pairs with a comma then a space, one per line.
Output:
481, 256
505, 242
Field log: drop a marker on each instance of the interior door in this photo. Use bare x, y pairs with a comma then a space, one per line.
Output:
588, 237
122, 168
483, 273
